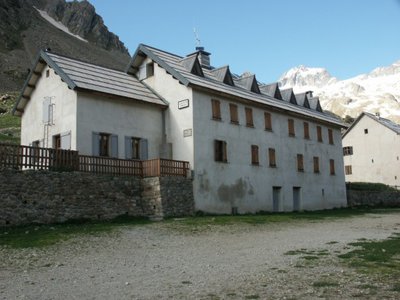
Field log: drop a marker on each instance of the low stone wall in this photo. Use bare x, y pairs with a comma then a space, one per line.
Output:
373, 198
51, 197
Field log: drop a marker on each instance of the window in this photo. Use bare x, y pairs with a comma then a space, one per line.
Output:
332, 166
136, 148
319, 134
234, 113
316, 164
268, 121
272, 157
220, 151
300, 163
150, 69
330, 136
104, 144
216, 109
348, 170
254, 155
57, 141
249, 117
291, 127
47, 73
306, 131
348, 150
365, 131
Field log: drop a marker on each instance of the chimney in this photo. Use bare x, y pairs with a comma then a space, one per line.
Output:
204, 57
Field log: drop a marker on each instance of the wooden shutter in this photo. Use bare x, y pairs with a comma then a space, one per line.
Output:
332, 166
66, 140
216, 109
316, 164
254, 155
249, 117
291, 127
272, 157
268, 121
319, 133
95, 144
306, 130
114, 146
144, 151
128, 147
330, 136
234, 113
300, 162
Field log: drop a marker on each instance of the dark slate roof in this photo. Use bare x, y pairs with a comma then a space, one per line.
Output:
84, 76
288, 96
192, 64
272, 90
315, 104
223, 74
302, 99
248, 82
173, 65
385, 122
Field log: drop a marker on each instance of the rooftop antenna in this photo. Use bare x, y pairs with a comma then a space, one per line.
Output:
196, 36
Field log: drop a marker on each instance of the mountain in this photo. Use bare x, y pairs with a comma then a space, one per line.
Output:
375, 92
69, 28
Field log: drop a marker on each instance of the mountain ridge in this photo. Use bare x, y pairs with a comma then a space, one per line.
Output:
375, 92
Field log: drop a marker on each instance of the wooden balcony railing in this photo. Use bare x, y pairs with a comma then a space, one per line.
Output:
27, 157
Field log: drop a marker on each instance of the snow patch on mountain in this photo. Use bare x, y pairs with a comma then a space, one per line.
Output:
375, 92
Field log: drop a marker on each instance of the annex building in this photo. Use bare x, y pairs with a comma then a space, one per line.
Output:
251, 146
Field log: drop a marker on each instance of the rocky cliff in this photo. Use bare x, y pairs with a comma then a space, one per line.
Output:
69, 28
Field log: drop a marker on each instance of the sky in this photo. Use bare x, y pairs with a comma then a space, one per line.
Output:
265, 37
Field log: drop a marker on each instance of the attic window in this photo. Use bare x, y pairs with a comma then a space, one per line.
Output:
146, 71
366, 131
47, 73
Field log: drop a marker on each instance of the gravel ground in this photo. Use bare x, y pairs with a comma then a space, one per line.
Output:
170, 261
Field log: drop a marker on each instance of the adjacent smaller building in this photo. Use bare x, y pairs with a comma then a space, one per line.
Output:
371, 149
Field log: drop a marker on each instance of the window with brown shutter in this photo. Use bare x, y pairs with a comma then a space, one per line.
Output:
300, 163
220, 153
291, 127
316, 164
272, 157
319, 134
348, 170
306, 131
330, 136
254, 155
216, 109
332, 166
249, 117
234, 113
268, 121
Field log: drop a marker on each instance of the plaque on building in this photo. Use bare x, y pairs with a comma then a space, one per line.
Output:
183, 104
187, 132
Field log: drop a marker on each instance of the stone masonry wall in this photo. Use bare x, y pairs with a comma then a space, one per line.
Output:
373, 198
50, 197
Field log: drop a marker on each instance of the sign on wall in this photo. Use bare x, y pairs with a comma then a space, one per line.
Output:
183, 104
187, 132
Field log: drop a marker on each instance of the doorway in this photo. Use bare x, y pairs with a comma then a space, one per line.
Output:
276, 198
296, 198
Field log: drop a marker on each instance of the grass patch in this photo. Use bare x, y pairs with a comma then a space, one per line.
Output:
252, 297
46, 235
310, 257
325, 283
381, 258
332, 242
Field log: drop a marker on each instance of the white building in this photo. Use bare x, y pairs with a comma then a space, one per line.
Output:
250, 147
371, 149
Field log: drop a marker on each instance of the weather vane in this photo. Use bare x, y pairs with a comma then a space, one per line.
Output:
196, 36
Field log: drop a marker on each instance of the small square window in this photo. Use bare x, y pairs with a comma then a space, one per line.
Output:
366, 131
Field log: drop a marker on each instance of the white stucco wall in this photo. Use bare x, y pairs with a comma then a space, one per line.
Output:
220, 186
64, 115
176, 120
376, 155
123, 117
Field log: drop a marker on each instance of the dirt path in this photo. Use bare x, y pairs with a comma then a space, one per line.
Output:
220, 262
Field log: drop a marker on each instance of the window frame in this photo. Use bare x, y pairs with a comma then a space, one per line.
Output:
347, 150
332, 167
234, 113
255, 161
268, 121
220, 151
300, 162
348, 170
319, 134
249, 117
316, 164
272, 157
291, 130
216, 110
306, 127
330, 136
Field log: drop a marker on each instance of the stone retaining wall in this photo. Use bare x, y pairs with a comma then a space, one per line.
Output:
373, 198
28, 197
